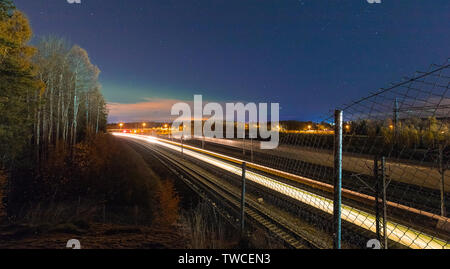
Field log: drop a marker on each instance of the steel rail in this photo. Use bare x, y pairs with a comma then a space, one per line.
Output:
396, 232
275, 225
349, 194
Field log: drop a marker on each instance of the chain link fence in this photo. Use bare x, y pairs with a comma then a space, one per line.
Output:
395, 181
396, 145
395, 178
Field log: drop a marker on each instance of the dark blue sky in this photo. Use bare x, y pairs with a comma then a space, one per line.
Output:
310, 55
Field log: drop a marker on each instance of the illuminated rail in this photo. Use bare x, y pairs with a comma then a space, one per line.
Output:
396, 232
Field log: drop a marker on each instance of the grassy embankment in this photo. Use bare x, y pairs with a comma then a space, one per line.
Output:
101, 188
103, 193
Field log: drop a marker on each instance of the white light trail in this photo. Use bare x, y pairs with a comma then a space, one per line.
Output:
396, 232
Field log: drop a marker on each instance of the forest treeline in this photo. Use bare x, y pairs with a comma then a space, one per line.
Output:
413, 138
48, 92
59, 162
409, 133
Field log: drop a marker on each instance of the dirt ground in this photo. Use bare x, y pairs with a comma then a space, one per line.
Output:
97, 236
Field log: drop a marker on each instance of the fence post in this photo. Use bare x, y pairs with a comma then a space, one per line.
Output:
338, 118
442, 172
377, 197
243, 199
383, 177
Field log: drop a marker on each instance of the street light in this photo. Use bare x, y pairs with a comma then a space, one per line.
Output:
121, 125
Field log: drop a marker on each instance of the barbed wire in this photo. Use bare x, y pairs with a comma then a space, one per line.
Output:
408, 125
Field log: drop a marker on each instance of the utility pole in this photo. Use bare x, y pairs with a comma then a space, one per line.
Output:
396, 111
377, 197
383, 177
337, 201
442, 169
243, 200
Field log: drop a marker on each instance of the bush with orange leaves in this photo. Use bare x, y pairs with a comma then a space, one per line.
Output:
168, 204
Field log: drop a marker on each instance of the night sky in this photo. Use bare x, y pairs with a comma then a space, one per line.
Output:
310, 56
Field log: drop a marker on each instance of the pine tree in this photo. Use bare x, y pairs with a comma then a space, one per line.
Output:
18, 83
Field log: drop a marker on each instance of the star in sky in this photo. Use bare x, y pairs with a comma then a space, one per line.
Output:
297, 53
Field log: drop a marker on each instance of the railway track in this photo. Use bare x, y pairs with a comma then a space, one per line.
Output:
214, 190
359, 218
412, 196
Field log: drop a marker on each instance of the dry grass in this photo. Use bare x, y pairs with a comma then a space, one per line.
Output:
261, 239
205, 229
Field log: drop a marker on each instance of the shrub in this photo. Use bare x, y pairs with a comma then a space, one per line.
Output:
168, 204
100, 172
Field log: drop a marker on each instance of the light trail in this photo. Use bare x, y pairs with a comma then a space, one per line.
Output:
396, 232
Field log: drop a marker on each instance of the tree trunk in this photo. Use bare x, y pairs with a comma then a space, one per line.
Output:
50, 128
